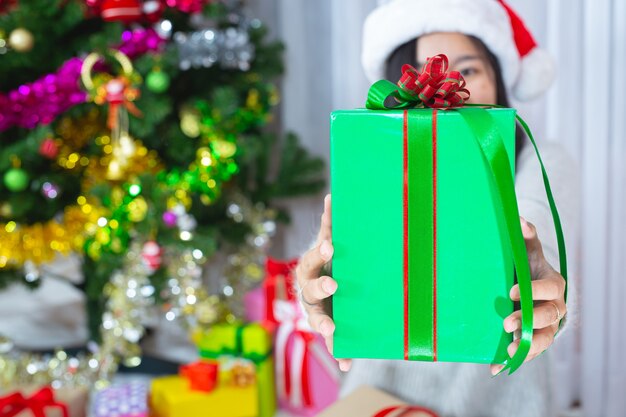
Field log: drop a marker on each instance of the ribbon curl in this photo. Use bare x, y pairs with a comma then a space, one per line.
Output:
433, 87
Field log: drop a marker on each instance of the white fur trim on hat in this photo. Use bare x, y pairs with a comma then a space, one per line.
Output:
399, 21
536, 75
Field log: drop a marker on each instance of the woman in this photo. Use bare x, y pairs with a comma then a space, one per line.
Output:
488, 44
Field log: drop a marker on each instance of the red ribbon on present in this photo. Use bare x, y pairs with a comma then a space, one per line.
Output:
403, 409
435, 87
278, 284
302, 341
14, 404
202, 375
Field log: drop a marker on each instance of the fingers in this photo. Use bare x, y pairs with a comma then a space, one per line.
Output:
550, 287
345, 364
542, 339
312, 261
323, 324
545, 314
325, 225
529, 231
318, 289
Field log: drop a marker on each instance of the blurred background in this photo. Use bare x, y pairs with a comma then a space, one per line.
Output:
167, 175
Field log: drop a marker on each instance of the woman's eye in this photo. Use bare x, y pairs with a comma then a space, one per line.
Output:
466, 72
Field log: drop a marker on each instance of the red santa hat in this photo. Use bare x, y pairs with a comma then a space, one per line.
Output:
528, 70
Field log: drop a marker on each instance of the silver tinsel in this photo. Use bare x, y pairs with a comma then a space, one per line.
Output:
230, 48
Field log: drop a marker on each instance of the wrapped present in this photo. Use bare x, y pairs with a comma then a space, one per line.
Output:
254, 305
45, 402
277, 285
433, 271
251, 342
171, 396
202, 375
122, 400
307, 375
370, 402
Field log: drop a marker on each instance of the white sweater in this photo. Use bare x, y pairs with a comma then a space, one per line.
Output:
468, 390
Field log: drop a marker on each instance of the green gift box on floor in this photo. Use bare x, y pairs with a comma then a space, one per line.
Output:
459, 270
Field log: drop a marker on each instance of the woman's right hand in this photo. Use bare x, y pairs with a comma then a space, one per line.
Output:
315, 289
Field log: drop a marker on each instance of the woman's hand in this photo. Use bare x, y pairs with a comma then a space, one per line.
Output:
548, 294
315, 290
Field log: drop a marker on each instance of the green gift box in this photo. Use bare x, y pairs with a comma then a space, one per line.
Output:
250, 341
459, 270
426, 228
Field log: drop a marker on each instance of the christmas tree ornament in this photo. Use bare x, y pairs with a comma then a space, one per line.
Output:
16, 179
49, 148
169, 218
3, 43
157, 81
187, 6
126, 11
190, 121
151, 254
21, 40
119, 93
152, 10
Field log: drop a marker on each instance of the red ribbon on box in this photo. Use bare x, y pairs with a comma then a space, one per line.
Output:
14, 404
402, 410
292, 371
278, 284
202, 375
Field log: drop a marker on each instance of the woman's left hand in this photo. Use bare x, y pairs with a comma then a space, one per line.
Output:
548, 288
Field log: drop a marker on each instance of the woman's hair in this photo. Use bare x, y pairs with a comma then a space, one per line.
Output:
407, 54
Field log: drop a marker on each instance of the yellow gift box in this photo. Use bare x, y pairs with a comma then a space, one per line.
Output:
171, 397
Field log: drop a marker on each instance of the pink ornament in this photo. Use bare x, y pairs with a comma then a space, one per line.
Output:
151, 255
170, 218
49, 149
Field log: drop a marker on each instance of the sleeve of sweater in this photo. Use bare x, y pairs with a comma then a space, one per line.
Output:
533, 206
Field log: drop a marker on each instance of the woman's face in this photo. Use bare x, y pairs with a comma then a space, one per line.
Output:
463, 57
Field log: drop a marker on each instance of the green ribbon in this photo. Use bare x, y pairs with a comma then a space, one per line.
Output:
420, 236
237, 350
490, 141
385, 95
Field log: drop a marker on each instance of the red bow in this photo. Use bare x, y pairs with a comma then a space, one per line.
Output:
434, 86
278, 284
16, 403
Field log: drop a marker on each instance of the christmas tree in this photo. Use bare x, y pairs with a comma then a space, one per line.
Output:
134, 133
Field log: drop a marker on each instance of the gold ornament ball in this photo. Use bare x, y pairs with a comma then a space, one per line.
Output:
21, 40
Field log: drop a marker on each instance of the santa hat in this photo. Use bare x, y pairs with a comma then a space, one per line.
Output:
528, 70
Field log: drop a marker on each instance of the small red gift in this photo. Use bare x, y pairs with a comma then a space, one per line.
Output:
202, 375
